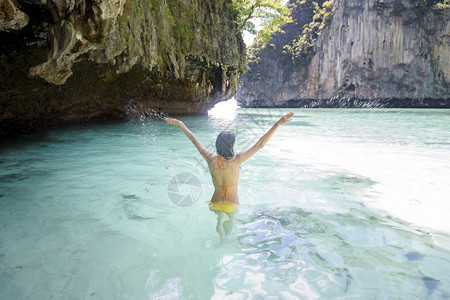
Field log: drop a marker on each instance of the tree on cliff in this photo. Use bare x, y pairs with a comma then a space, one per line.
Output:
269, 14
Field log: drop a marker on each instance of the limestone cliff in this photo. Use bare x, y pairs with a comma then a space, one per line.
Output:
71, 61
390, 50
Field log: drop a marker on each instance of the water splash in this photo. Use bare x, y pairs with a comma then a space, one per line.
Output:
142, 120
138, 113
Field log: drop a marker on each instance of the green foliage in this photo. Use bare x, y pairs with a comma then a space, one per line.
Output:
139, 12
269, 14
422, 7
254, 51
122, 21
169, 17
180, 25
442, 5
169, 27
301, 49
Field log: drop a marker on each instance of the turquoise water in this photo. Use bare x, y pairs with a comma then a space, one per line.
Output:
340, 204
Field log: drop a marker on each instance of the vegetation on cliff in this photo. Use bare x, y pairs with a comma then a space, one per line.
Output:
315, 15
423, 6
301, 49
420, 8
270, 15
353, 49
289, 48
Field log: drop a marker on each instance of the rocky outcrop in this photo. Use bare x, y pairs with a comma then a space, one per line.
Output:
11, 17
85, 60
386, 50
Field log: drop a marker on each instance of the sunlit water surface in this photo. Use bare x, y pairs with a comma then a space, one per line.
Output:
347, 204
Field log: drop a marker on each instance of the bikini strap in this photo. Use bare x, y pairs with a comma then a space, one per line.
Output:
225, 191
220, 161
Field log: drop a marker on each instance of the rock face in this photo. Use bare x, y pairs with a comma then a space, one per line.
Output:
372, 49
11, 17
85, 60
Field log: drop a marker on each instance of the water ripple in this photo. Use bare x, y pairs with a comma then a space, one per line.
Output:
288, 251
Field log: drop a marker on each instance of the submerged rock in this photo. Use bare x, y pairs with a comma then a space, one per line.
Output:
84, 60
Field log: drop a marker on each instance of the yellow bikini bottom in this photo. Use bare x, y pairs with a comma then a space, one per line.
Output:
225, 207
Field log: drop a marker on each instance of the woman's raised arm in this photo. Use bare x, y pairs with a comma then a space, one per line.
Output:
207, 155
244, 155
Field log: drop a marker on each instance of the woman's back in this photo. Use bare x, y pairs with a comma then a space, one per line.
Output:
225, 177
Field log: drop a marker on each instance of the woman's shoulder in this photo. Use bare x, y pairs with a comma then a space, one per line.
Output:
214, 159
219, 161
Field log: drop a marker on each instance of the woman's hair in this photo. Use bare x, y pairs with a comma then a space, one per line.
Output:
225, 143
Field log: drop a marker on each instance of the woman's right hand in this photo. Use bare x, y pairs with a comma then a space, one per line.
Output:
286, 118
173, 121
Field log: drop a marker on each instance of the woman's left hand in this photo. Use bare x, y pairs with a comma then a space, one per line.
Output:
286, 118
173, 121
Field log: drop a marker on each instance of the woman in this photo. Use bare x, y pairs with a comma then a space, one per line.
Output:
224, 169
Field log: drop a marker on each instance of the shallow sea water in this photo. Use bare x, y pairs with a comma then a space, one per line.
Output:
340, 204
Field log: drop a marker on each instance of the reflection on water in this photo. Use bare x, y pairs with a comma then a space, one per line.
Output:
288, 252
339, 204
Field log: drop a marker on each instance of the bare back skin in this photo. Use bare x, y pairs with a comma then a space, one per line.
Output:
227, 175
